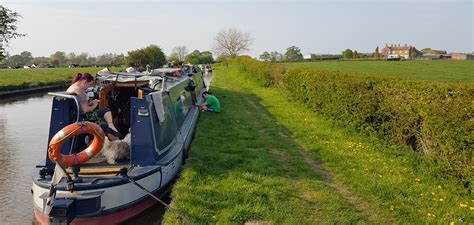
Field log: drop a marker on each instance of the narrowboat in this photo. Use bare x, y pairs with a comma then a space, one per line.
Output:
157, 108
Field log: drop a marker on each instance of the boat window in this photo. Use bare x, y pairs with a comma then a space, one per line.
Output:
166, 130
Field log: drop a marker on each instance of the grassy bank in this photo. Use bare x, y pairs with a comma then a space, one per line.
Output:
268, 158
436, 70
14, 79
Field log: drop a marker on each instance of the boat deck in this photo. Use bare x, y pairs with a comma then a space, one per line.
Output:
98, 167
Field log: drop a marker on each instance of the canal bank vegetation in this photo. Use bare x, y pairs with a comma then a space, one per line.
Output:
279, 161
433, 118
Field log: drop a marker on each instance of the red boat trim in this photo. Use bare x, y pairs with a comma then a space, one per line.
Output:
114, 218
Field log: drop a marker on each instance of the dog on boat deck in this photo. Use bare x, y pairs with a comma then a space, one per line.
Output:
116, 150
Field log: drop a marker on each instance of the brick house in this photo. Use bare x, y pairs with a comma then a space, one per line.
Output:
397, 51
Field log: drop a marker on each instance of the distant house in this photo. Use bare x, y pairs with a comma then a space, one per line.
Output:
313, 57
309, 56
462, 56
401, 52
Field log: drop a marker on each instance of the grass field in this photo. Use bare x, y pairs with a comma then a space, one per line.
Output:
436, 70
268, 158
11, 79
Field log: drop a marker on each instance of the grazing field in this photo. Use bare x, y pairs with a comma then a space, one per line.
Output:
13, 79
269, 159
436, 70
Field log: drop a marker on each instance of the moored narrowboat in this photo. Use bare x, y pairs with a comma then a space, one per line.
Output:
156, 108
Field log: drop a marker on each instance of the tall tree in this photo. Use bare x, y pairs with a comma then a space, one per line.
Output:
58, 59
8, 28
275, 56
355, 55
293, 53
377, 53
265, 56
27, 57
151, 55
179, 52
347, 54
231, 42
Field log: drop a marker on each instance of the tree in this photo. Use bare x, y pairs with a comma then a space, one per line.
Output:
377, 53
58, 59
206, 57
231, 42
355, 55
293, 53
197, 57
8, 20
27, 57
265, 56
151, 55
347, 54
179, 52
275, 56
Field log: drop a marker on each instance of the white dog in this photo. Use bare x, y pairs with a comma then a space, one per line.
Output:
115, 150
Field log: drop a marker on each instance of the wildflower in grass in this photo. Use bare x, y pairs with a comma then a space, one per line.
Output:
432, 193
463, 205
441, 199
471, 208
451, 223
418, 180
439, 186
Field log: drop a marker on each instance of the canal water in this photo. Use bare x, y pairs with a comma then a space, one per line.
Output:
24, 125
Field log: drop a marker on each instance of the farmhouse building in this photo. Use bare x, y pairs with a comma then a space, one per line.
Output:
462, 56
397, 51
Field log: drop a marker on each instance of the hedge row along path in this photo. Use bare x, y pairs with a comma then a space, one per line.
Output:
266, 159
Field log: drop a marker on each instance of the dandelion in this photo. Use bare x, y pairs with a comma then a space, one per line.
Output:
471, 208
432, 193
439, 186
441, 199
462, 205
417, 179
451, 223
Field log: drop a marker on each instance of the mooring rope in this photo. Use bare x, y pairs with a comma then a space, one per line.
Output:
123, 172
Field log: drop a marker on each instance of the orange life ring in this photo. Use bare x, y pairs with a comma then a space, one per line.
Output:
54, 149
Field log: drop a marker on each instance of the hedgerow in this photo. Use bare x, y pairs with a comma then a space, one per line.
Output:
436, 119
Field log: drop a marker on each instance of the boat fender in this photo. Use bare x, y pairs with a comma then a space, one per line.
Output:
71, 130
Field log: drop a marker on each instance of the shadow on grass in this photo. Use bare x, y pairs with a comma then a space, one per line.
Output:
244, 166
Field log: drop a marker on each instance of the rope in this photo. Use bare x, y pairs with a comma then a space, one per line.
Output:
123, 172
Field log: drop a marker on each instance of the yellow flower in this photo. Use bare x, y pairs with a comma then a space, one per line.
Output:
439, 186
452, 223
441, 199
417, 179
462, 205
432, 193
471, 208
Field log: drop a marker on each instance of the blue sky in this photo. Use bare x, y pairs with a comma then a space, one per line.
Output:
108, 26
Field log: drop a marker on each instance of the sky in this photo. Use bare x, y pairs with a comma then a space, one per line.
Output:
107, 26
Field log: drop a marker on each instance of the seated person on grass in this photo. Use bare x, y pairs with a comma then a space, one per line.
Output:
211, 104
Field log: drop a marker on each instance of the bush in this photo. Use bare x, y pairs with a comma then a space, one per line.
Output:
436, 119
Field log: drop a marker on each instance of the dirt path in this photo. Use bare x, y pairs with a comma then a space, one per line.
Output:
365, 208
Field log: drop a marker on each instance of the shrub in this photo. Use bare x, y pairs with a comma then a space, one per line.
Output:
436, 119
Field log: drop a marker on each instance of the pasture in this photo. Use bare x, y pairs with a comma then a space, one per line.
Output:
13, 79
435, 70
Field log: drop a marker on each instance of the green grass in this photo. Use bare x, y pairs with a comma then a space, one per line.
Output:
436, 70
12, 79
246, 165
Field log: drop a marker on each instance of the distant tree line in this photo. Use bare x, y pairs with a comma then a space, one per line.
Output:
151, 55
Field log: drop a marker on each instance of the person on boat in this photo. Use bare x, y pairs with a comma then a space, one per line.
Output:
80, 83
211, 104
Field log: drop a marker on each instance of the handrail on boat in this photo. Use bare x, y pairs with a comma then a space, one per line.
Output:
69, 97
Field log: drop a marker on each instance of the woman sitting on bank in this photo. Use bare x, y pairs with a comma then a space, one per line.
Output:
80, 83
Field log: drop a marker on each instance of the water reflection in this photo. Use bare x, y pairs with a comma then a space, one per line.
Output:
23, 139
